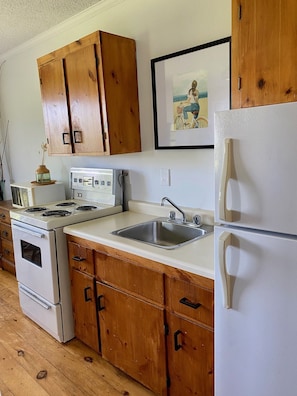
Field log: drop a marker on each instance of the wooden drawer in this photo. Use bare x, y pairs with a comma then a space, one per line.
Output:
7, 250
133, 278
4, 215
5, 231
81, 258
190, 300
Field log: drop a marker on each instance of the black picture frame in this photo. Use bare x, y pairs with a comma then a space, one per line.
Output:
180, 120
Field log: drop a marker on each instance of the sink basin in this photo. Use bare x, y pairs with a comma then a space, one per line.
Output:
164, 233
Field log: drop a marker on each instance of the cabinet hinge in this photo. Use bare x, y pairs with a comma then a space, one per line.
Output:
239, 12
239, 83
168, 382
166, 329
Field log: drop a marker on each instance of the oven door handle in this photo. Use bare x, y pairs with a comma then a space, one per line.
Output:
37, 300
28, 231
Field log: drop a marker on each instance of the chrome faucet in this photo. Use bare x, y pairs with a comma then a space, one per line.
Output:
175, 206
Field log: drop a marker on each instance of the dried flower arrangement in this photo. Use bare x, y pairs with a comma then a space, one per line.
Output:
44, 149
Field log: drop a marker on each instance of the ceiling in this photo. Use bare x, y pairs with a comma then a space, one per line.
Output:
21, 20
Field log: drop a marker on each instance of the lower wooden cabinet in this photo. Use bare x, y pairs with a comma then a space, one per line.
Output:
84, 308
6, 243
190, 358
190, 341
154, 322
132, 336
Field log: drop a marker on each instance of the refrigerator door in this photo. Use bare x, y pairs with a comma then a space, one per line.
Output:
256, 317
256, 168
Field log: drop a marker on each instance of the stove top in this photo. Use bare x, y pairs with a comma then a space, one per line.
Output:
62, 213
95, 193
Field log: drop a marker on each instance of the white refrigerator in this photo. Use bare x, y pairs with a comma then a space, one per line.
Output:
256, 251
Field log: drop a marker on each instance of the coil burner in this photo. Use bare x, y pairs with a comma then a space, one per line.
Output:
59, 213
66, 203
86, 207
35, 209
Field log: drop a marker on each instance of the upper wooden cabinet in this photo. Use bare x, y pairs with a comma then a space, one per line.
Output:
90, 96
264, 55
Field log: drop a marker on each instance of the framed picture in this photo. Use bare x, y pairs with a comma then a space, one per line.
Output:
188, 87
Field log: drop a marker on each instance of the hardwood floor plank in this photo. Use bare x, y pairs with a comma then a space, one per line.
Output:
68, 372
15, 376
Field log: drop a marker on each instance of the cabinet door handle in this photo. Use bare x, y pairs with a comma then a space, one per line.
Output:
78, 258
99, 306
189, 303
4, 234
77, 136
86, 289
64, 136
177, 346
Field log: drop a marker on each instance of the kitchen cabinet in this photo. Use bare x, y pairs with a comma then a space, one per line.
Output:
189, 317
6, 243
83, 294
131, 320
155, 321
90, 107
264, 53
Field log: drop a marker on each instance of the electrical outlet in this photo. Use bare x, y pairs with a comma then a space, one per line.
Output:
164, 177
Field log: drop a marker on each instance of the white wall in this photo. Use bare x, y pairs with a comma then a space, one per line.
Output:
159, 27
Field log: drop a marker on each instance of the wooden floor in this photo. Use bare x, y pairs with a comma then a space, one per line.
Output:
72, 369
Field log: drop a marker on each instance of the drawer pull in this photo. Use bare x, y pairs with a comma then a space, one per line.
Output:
77, 258
177, 346
99, 306
4, 234
189, 303
86, 294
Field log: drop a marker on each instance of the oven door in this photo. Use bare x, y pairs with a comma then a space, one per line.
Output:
35, 260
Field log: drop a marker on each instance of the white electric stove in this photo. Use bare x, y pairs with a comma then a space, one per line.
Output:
40, 246
95, 193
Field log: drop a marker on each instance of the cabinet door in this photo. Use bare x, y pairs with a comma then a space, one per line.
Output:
190, 358
132, 336
84, 309
84, 103
263, 52
55, 109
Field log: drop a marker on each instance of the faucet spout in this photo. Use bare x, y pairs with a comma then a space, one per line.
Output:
175, 206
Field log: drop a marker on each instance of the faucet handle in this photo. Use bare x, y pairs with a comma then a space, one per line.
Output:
172, 215
197, 219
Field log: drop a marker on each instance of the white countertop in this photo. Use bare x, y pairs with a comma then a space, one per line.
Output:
196, 257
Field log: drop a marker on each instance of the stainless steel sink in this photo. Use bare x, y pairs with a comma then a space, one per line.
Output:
164, 233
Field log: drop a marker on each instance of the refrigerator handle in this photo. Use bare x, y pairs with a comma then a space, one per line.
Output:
224, 213
225, 240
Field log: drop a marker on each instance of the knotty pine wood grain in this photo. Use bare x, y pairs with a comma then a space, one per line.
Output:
26, 349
